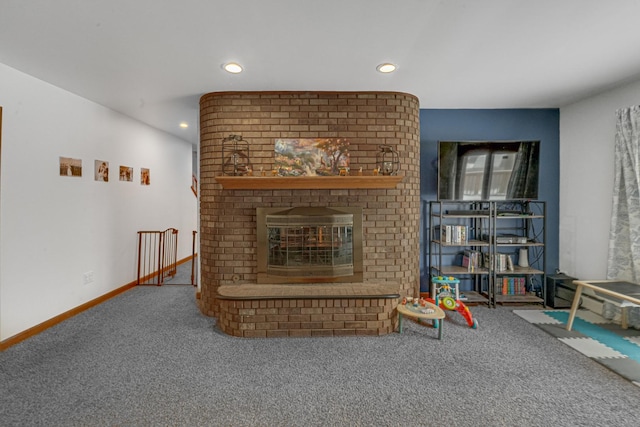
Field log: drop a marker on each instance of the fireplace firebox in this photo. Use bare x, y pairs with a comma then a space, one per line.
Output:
309, 244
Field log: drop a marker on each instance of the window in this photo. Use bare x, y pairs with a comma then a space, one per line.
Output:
485, 174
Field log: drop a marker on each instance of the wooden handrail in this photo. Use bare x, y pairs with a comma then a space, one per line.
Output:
193, 258
194, 185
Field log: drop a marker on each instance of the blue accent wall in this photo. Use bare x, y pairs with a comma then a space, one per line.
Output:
511, 124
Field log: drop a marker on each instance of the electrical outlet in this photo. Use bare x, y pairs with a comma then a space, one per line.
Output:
87, 278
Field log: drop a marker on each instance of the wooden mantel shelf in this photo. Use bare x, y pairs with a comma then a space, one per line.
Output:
307, 182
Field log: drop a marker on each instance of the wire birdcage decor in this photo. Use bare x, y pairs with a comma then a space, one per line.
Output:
235, 154
387, 160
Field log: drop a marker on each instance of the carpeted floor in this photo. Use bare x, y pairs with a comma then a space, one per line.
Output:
594, 336
183, 274
148, 357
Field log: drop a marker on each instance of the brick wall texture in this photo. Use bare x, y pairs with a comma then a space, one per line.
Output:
391, 218
307, 317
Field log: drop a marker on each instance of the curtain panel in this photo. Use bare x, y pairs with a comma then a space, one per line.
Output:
624, 235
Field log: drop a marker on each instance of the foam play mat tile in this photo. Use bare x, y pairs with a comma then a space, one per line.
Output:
594, 336
591, 347
537, 316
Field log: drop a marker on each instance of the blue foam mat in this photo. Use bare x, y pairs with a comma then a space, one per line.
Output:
605, 336
624, 357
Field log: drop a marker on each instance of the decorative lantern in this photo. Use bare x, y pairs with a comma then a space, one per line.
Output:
387, 160
235, 154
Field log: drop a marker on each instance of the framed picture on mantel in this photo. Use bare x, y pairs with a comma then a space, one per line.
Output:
311, 157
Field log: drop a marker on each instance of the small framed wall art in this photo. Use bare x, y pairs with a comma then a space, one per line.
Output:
101, 168
126, 173
70, 167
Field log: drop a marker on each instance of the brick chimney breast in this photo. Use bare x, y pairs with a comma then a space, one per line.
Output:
390, 217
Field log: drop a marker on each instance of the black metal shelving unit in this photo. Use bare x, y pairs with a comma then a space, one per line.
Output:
497, 231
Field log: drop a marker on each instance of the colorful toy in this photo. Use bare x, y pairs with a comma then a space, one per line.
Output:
447, 297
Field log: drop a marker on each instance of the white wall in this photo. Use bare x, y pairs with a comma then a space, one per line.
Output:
587, 132
53, 229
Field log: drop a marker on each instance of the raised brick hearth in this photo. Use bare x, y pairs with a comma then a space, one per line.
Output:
228, 217
307, 310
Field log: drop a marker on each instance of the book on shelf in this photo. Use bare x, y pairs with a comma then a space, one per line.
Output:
471, 259
511, 285
499, 262
453, 233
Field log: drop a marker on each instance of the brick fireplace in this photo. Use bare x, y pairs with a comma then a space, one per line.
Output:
230, 289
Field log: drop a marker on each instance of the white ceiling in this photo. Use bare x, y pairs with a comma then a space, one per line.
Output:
153, 59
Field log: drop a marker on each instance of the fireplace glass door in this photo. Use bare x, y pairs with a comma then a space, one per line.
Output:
318, 247
310, 243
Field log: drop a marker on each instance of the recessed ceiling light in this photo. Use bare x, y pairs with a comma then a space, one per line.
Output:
184, 125
232, 67
387, 67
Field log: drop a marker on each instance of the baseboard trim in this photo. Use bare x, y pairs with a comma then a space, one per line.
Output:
143, 280
187, 259
35, 330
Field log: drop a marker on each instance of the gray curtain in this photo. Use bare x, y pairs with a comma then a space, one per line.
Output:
624, 236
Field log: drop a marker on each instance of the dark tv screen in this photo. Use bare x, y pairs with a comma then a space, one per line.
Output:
488, 170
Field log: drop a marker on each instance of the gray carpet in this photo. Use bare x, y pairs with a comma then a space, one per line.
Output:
148, 358
183, 274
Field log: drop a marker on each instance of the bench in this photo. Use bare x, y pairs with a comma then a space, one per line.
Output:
626, 294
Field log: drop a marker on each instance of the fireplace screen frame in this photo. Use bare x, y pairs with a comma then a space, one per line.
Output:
314, 274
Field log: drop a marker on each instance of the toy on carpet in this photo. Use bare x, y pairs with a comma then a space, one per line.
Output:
419, 304
448, 298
